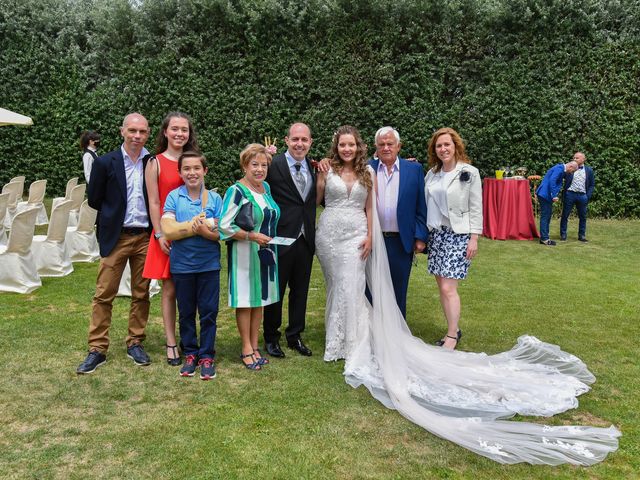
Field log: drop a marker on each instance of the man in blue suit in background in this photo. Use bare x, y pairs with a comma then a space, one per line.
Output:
547, 194
117, 191
402, 209
578, 188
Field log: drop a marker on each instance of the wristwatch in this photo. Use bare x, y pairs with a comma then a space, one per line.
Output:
158, 235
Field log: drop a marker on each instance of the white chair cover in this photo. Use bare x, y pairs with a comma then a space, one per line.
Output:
37, 191
81, 239
18, 271
19, 179
124, 290
72, 182
4, 200
50, 251
77, 197
14, 189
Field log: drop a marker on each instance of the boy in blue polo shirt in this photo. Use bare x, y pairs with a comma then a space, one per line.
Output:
195, 262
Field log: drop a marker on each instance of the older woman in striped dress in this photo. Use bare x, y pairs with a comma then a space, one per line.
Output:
253, 269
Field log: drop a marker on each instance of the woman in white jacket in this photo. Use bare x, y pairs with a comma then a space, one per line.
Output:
453, 191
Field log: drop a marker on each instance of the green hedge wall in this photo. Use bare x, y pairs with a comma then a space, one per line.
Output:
526, 82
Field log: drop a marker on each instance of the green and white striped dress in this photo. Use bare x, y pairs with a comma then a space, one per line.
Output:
251, 283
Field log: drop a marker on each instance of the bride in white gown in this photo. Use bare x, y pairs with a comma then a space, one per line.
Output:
456, 395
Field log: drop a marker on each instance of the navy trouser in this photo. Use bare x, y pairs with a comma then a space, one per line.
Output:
400, 269
199, 291
580, 201
546, 209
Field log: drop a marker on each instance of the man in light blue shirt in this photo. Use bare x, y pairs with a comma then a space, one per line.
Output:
117, 191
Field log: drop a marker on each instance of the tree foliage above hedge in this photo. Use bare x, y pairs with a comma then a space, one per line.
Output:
526, 82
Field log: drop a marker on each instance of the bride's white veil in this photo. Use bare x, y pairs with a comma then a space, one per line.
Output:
464, 395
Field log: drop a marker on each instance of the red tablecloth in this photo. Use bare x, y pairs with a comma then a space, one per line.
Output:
507, 210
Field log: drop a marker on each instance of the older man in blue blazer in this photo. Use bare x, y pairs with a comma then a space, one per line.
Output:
402, 209
578, 188
547, 194
117, 191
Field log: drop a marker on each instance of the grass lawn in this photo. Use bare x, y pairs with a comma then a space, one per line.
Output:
298, 419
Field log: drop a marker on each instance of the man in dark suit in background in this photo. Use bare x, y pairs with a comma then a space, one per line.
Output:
547, 194
117, 191
578, 188
402, 209
293, 187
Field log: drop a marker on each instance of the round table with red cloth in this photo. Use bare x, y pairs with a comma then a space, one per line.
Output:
507, 210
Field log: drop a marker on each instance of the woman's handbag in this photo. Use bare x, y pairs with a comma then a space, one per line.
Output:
244, 218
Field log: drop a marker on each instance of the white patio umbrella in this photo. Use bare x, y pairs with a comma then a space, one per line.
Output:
7, 117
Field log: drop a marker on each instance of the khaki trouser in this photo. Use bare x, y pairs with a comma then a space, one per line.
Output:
134, 249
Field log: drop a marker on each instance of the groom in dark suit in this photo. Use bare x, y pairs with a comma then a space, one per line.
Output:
293, 187
117, 191
402, 209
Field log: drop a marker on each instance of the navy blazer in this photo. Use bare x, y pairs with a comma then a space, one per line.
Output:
411, 211
107, 193
551, 183
589, 183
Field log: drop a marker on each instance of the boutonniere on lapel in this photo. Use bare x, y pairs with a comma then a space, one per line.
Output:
465, 176
271, 145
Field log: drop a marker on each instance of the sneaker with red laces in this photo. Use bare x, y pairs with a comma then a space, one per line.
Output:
207, 368
189, 367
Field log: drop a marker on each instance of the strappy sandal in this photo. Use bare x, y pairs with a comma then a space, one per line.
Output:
261, 360
440, 343
453, 338
251, 366
176, 360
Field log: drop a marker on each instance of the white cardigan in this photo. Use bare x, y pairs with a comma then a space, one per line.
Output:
464, 199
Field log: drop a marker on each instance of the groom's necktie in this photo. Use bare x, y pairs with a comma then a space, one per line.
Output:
299, 179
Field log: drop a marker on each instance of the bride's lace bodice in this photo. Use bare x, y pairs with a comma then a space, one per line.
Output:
341, 230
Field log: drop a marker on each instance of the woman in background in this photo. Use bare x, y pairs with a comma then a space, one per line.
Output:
89, 142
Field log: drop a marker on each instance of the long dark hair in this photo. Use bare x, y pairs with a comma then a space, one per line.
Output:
161, 140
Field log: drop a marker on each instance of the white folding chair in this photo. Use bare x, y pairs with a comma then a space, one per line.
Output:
14, 189
4, 200
124, 289
72, 182
18, 272
50, 251
81, 239
77, 197
37, 191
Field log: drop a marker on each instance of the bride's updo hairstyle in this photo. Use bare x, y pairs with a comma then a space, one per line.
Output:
360, 160
460, 155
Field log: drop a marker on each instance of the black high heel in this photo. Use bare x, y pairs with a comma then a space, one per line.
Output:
174, 362
440, 343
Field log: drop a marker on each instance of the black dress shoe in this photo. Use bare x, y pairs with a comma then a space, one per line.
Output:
273, 349
299, 345
582, 239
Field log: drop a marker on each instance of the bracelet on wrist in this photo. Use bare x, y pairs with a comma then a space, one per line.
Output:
158, 235
246, 237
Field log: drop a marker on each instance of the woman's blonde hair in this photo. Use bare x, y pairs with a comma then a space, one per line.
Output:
252, 151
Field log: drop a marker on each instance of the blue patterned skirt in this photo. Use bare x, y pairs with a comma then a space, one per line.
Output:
447, 253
